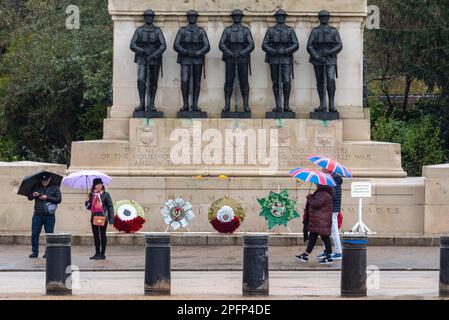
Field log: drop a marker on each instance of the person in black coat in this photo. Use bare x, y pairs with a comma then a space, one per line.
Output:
99, 202
46, 199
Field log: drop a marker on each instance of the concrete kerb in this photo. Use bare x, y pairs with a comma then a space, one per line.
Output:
216, 239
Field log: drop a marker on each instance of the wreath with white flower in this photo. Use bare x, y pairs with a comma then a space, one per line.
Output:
129, 216
226, 215
177, 213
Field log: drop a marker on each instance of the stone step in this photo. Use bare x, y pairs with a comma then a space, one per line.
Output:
215, 239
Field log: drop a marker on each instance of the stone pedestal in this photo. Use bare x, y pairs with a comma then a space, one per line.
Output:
436, 214
148, 114
234, 147
281, 115
325, 116
235, 115
192, 115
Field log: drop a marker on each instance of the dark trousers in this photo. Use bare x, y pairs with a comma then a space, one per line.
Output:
152, 82
242, 69
100, 238
313, 237
331, 83
196, 71
46, 221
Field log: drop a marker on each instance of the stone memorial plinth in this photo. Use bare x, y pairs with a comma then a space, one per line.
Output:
233, 147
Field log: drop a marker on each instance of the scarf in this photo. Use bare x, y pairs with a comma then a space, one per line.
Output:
97, 206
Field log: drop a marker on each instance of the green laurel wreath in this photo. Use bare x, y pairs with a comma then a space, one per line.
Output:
286, 209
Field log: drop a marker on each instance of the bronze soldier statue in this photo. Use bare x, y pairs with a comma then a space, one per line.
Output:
279, 44
237, 43
323, 46
149, 44
192, 45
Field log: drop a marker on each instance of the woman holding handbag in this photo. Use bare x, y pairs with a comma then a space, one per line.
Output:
100, 204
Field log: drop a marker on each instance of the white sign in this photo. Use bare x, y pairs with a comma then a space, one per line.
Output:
361, 189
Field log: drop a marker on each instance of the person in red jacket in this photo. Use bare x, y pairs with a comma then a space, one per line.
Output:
319, 222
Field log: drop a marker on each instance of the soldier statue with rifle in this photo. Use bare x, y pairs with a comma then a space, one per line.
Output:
192, 45
323, 46
148, 43
236, 43
279, 44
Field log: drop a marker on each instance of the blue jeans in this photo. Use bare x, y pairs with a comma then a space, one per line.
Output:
48, 222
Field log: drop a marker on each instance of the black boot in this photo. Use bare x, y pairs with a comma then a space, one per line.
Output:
287, 90
331, 89
227, 106
151, 107
196, 96
185, 97
277, 98
245, 95
141, 86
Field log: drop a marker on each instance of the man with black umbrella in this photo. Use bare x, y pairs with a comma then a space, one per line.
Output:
46, 198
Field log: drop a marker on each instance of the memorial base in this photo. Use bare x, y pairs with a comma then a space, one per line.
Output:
281, 115
325, 116
235, 115
148, 114
192, 115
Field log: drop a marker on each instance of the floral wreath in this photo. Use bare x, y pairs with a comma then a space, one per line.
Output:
226, 215
129, 216
177, 213
278, 209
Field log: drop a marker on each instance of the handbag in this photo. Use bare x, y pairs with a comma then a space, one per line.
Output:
50, 207
99, 221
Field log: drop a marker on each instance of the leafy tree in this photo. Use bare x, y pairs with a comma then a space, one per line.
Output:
412, 45
52, 77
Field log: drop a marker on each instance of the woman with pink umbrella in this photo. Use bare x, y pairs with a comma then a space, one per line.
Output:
337, 171
318, 212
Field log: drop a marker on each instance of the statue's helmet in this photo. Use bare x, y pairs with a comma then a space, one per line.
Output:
281, 12
191, 13
149, 13
237, 12
324, 13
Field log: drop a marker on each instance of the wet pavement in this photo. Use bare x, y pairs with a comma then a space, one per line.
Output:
226, 258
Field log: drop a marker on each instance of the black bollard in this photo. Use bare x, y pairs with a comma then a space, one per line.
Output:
255, 265
353, 266
444, 266
157, 264
58, 266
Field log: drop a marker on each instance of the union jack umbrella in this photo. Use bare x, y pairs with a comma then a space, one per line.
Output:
313, 176
330, 165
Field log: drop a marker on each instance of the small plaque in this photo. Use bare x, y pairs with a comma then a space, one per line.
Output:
361, 190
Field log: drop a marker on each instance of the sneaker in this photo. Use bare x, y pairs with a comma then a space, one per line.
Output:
33, 255
327, 260
321, 255
337, 256
303, 258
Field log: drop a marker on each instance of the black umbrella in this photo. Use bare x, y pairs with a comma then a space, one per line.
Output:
30, 181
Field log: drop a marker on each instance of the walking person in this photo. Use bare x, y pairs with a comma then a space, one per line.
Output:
319, 220
336, 202
100, 204
46, 199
